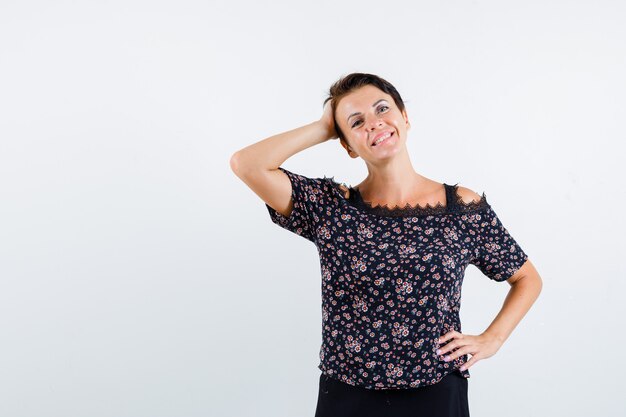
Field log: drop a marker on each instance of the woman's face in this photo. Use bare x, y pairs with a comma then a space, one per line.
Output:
368, 114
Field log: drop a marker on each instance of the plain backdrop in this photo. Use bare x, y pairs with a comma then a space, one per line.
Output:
140, 277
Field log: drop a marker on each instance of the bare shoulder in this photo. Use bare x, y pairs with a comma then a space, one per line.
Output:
468, 195
346, 190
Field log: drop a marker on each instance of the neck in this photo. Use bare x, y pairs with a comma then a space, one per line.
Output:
395, 181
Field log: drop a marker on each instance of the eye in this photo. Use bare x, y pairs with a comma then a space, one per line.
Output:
378, 109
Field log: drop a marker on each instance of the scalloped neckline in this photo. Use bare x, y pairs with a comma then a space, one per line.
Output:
356, 199
396, 210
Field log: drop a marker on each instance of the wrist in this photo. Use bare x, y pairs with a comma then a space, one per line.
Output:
327, 132
495, 336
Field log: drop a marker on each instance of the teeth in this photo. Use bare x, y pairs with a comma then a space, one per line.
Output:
382, 138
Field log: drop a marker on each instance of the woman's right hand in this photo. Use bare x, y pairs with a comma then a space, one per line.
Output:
328, 121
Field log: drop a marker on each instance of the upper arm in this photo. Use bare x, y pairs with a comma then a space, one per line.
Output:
519, 274
272, 186
467, 195
293, 201
526, 270
345, 190
494, 250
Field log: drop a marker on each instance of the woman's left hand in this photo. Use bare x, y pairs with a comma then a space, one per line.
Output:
480, 347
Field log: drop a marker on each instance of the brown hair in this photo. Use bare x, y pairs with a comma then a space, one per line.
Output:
348, 83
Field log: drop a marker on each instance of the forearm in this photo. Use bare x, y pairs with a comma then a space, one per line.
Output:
518, 301
271, 152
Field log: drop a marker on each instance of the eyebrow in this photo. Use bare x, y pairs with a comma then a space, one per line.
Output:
373, 105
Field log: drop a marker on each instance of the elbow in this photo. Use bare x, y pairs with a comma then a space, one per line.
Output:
238, 163
536, 281
234, 162
538, 285
242, 162
530, 282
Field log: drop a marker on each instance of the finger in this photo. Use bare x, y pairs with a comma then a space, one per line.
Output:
445, 349
456, 342
450, 347
462, 350
451, 334
469, 363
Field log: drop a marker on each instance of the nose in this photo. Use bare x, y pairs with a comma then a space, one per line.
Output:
374, 123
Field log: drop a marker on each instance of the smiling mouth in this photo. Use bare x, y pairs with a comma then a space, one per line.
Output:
386, 138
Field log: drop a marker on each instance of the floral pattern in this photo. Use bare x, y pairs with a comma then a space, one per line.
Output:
391, 278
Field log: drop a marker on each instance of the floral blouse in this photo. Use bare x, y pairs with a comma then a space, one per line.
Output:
391, 278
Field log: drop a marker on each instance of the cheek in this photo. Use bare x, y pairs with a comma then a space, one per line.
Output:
360, 139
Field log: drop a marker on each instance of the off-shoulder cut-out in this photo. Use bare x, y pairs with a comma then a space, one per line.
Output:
458, 204
391, 278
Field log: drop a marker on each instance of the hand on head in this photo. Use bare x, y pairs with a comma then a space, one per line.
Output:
328, 121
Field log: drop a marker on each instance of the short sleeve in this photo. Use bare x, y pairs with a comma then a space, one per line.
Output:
306, 194
496, 253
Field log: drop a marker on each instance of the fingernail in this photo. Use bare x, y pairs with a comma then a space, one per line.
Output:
446, 358
438, 351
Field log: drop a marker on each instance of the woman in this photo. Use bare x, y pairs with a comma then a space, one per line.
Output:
393, 252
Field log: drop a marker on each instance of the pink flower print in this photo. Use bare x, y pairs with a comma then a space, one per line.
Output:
360, 304
358, 264
365, 231
393, 370
491, 247
449, 262
324, 233
451, 234
326, 274
400, 329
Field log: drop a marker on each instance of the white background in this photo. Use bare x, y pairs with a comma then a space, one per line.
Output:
140, 277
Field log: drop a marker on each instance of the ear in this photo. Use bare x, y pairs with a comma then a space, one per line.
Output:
347, 148
345, 145
406, 119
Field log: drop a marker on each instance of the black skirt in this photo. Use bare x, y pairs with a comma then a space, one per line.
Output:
447, 398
